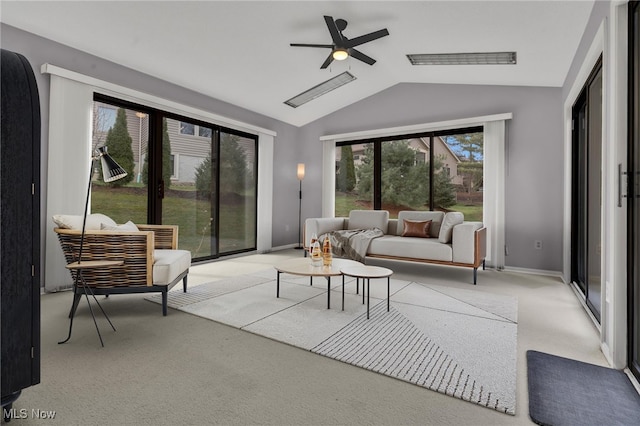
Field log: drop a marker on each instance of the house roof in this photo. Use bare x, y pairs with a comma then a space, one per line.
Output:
239, 52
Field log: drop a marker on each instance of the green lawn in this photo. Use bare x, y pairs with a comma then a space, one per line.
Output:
193, 217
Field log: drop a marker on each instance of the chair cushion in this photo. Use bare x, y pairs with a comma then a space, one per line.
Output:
94, 221
169, 264
368, 219
450, 220
129, 226
413, 248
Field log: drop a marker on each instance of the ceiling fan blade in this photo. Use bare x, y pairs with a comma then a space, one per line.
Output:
328, 61
362, 57
333, 30
366, 38
329, 46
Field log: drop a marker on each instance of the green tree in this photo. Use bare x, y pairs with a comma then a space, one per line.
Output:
234, 174
166, 159
118, 145
405, 182
346, 178
204, 181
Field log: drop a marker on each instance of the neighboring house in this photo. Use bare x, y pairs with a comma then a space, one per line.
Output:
190, 143
441, 150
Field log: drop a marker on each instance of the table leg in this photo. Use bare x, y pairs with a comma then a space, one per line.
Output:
388, 291
278, 284
328, 292
343, 292
362, 290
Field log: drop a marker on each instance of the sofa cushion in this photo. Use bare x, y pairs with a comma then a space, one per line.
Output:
169, 264
450, 220
434, 217
129, 226
367, 219
94, 221
413, 248
416, 228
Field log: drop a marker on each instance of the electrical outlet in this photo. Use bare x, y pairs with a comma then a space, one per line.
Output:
537, 244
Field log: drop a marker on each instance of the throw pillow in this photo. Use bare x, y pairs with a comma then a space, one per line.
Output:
129, 226
94, 221
450, 220
416, 228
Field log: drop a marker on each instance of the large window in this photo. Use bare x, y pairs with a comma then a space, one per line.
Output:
432, 171
182, 171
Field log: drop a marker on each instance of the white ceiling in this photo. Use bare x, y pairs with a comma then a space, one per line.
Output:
238, 51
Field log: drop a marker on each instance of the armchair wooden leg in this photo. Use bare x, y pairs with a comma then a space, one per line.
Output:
164, 303
184, 284
475, 275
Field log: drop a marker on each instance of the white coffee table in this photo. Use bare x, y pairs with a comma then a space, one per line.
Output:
303, 267
367, 272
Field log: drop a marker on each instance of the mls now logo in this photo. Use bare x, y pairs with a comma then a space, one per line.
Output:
23, 413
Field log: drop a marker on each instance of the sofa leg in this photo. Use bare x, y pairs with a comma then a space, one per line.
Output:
483, 265
184, 284
475, 275
164, 303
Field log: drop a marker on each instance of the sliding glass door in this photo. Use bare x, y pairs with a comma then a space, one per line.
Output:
586, 245
182, 171
633, 174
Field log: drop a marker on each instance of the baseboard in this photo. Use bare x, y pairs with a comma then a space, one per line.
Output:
556, 274
285, 247
633, 379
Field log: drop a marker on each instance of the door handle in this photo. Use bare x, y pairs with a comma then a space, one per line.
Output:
622, 193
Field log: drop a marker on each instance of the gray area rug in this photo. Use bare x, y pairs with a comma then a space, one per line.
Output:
563, 391
458, 342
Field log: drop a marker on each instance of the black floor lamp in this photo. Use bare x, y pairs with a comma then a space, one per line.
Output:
300, 177
111, 172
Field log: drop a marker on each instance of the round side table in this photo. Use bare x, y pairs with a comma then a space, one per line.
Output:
367, 273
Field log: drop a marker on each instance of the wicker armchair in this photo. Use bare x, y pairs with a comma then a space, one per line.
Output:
152, 262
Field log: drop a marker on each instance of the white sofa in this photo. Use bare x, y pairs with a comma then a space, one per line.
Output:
450, 241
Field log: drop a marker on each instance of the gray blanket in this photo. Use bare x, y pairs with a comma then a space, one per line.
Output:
352, 243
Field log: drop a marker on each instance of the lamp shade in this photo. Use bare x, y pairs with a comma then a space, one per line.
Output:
111, 171
300, 171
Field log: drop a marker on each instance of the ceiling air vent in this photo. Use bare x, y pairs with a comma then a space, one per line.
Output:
320, 89
480, 58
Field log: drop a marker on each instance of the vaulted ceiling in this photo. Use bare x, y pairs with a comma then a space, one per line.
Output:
239, 52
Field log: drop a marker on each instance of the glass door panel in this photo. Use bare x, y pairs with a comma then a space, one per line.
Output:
594, 201
125, 133
586, 232
189, 185
634, 190
237, 192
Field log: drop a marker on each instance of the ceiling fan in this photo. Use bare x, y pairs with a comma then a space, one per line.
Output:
343, 47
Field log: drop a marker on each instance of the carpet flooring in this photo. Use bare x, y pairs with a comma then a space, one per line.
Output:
458, 342
564, 391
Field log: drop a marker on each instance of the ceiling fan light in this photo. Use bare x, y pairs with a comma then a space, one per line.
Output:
340, 54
